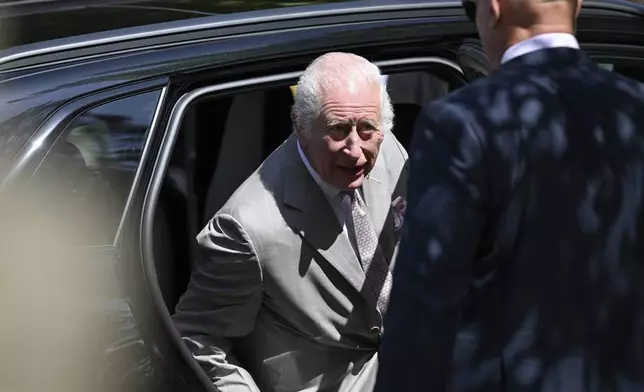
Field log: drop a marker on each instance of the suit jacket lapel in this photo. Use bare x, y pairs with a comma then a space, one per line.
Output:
309, 213
377, 193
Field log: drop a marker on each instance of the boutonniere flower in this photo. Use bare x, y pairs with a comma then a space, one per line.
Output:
398, 207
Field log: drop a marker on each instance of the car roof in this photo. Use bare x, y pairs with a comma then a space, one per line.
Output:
26, 22
27, 25
73, 26
36, 33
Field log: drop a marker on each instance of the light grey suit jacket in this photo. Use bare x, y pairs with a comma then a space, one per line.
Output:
276, 293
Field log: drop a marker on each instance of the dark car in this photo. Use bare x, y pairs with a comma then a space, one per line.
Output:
124, 125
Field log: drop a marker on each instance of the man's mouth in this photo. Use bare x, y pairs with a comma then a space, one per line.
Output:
355, 171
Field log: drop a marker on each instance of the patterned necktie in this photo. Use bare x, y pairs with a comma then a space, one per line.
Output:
374, 264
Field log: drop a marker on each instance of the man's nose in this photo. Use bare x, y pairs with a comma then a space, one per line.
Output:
352, 145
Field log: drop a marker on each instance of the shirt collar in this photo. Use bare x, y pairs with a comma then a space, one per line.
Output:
329, 190
541, 41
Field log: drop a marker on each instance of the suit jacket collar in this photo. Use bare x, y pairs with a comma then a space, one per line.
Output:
541, 41
551, 57
310, 214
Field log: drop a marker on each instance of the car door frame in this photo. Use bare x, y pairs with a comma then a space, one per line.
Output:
156, 177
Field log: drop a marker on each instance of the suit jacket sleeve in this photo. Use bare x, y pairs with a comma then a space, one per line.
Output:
432, 274
221, 302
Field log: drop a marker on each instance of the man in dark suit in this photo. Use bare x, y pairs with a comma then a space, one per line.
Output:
522, 262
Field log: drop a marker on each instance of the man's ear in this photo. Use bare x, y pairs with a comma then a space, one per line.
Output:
495, 13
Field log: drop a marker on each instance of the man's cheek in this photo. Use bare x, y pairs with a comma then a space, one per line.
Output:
377, 142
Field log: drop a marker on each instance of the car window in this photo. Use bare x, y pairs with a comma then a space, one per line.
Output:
409, 91
416, 88
90, 169
66, 303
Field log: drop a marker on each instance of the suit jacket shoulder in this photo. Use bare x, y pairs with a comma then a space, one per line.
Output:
256, 202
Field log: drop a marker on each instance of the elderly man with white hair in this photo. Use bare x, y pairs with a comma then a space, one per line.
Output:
294, 272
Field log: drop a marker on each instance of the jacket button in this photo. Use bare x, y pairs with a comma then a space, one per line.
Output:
378, 332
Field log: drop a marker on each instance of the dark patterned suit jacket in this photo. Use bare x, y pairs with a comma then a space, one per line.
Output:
522, 266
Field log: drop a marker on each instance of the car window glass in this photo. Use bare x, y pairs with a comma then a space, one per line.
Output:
415, 88
408, 92
66, 302
91, 167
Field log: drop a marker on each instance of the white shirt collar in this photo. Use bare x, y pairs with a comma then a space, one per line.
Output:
329, 190
542, 41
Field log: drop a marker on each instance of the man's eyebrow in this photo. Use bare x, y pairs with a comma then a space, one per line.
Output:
369, 122
334, 122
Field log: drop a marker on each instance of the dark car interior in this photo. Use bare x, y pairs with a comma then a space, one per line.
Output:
211, 158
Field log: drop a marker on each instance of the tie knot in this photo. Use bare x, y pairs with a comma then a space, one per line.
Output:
348, 195
351, 194
346, 198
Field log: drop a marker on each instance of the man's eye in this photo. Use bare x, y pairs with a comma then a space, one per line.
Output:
337, 129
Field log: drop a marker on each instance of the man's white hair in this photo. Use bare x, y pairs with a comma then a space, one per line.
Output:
332, 70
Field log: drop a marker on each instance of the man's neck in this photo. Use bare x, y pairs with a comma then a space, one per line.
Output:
518, 34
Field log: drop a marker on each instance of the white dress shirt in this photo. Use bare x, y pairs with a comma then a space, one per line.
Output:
541, 41
333, 196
